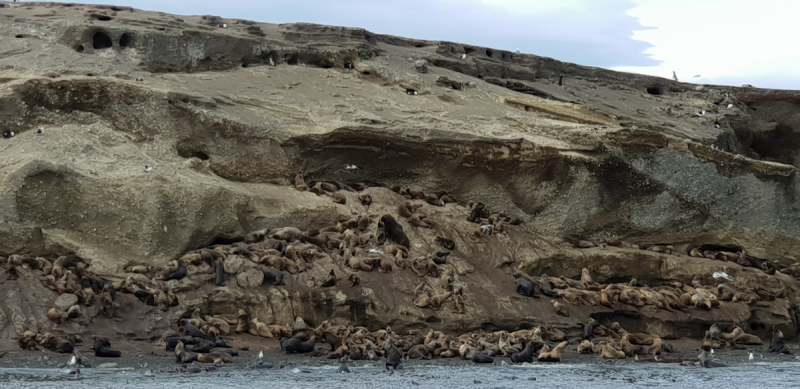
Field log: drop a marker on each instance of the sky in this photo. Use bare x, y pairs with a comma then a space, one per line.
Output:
727, 42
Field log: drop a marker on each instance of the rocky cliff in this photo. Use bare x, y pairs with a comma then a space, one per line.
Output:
226, 112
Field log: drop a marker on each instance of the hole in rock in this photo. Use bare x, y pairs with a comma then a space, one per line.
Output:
19, 36
654, 90
221, 240
102, 18
293, 60
489, 53
717, 247
79, 48
101, 41
125, 40
779, 144
433, 319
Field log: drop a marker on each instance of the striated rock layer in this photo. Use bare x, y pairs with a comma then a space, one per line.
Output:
227, 112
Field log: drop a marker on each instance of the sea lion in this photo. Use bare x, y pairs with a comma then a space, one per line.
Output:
102, 349
393, 354
331, 280
588, 329
420, 351
394, 231
406, 209
560, 309
777, 345
220, 273
479, 357
476, 213
365, 199
448, 244
179, 274
547, 288
354, 279
339, 198
53, 315
608, 351
343, 366
299, 183
526, 355
215, 358
586, 347
57, 344
273, 277
705, 360
555, 354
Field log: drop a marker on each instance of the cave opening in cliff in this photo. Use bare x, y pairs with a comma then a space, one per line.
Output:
221, 240
655, 90
293, 60
79, 48
125, 40
780, 144
101, 40
489, 53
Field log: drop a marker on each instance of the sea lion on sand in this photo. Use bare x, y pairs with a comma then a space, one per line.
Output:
102, 349
526, 355
547, 289
560, 309
476, 213
331, 280
393, 354
343, 366
220, 273
273, 277
479, 357
588, 329
448, 244
365, 199
608, 351
419, 351
179, 274
394, 231
555, 354
214, 358
354, 279
53, 315
777, 345
586, 347
705, 360
339, 198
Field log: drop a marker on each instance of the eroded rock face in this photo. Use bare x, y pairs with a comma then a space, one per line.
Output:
605, 155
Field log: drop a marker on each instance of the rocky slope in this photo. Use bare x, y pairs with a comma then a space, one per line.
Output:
227, 112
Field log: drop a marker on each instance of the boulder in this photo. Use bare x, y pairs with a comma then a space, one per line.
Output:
250, 278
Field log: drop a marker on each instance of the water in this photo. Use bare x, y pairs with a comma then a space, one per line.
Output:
599, 375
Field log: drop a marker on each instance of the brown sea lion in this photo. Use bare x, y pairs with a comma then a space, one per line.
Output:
555, 354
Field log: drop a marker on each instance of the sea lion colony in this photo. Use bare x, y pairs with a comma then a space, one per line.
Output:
364, 243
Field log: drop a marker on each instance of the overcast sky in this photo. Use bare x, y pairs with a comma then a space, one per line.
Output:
731, 42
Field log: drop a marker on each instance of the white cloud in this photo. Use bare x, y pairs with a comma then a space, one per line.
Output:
725, 41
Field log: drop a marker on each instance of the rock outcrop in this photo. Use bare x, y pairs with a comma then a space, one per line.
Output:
227, 112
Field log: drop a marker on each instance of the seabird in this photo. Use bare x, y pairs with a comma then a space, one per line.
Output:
350, 167
517, 51
721, 274
730, 106
148, 169
376, 251
752, 357
487, 229
701, 113
674, 76
712, 351
411, 92
40, 131
696, 75
260, 355
271, 62
8, 134
716, 125
463, 56
636, 357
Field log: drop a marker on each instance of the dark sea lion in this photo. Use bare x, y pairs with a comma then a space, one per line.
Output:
179, 274
526, 288
331, 280
547, 289
393, 355
479, 357
102, 349
204, 346
448, 244
526, 355
705, 360
588, 329
440, 258
476, 213
394, 231
343, 366
777, 345
220, 273
190, 329
273, 277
